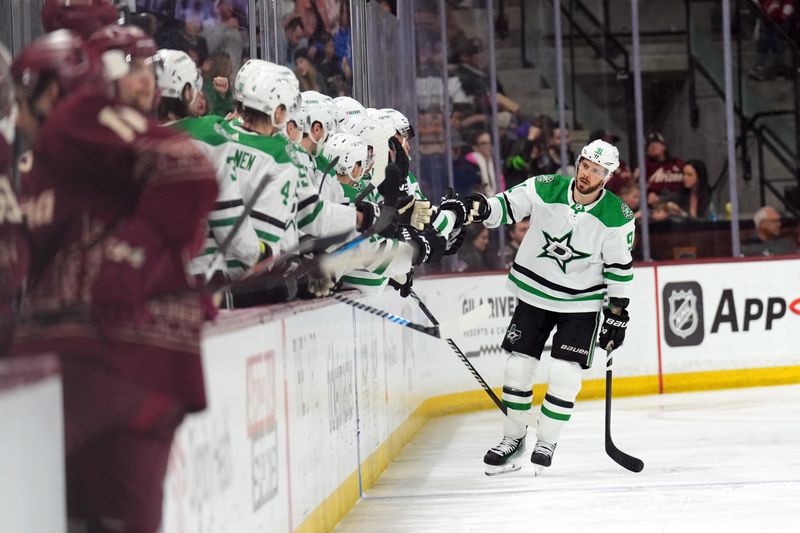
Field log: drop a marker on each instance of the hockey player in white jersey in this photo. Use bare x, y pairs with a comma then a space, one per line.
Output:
575, 254
177, 82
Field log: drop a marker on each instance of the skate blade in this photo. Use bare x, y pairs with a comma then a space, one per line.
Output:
503, 469
537, 470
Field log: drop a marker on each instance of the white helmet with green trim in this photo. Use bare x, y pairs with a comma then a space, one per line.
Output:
350, 151
401, 123
603, 153
265, 93
174, 70
347, 107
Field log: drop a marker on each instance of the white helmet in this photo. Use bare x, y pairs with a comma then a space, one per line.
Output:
317, 98
253, 67
385, 119
264, 93
313, 113
374, 135
174, 70
604, 154
401, 123
347, 107
349, 149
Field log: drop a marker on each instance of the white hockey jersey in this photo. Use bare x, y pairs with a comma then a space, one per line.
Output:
256, 156
244, 248
573, 254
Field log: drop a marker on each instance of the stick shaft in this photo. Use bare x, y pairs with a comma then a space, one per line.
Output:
432, 331
497, 401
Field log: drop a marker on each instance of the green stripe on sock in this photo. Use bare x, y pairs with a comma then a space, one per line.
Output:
263, 235
517, 406
555, 416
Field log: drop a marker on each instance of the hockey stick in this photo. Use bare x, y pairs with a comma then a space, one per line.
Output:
497, 401
260, 271
248, 208
441, 331
621, 458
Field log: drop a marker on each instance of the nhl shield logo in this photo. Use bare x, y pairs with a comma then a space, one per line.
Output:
683, 313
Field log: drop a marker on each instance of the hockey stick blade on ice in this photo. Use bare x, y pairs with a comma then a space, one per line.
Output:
497, 401
626, 461
442, 331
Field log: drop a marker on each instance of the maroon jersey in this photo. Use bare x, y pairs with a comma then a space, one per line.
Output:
100, 168
13, 247
666, 177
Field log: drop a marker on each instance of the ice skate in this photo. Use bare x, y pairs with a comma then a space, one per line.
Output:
504, 457
542, 456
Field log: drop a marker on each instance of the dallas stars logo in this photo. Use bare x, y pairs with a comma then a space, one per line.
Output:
598, 151
560, 250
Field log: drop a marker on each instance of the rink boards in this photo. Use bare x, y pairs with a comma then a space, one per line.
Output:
308, 403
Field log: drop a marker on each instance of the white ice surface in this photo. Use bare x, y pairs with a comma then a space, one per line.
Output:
714, 461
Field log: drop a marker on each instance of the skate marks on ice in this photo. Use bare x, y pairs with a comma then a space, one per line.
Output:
713, 459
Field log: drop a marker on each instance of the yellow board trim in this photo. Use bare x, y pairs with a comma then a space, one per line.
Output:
333, 508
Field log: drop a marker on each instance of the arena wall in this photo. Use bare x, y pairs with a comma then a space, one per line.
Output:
310, 402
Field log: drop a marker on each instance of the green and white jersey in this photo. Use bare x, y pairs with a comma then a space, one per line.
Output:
390, 258
573, 254
244, 249
255, 156
414, 188
320, 202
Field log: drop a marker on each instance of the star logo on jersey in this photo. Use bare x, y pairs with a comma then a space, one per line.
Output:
560, 250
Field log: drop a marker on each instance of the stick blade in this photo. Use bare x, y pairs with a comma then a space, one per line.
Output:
457, 326
624, 460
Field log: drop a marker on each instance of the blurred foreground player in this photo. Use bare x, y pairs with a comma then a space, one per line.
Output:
115, 205
13, 248
575, 254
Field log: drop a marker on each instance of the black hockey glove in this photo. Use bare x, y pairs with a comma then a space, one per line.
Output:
405, 287
400, 156
389, 188
453, 203
479, 207
428, 245
612, 332
370, 213
454, 241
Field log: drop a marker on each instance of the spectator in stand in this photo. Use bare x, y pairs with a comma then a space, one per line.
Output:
664, 172
217, 85
330, 66
623, 173
342, 38
190, 41
771, 57
548, 160
767, 239
516, 232
307, 75
481, 157
694, 201
295, 40
226, 34
474, 253
631, 195
313, 14
474, 78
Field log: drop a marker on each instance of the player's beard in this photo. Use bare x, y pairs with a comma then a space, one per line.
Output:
588, 191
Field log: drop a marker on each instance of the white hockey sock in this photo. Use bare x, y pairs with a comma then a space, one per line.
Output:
562, 389
518, 391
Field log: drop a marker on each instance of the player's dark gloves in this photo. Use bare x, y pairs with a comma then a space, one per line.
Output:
479, 207
612, 332
456, 205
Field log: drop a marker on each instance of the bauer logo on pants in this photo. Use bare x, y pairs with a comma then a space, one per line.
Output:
683, 313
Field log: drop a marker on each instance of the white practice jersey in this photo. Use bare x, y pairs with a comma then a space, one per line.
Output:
572, 255
244, 248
